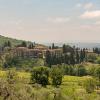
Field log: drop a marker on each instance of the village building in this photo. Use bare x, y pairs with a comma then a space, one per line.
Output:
39, 51
57, 52
27, 53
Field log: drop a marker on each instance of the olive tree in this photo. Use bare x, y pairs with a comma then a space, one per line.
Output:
56, 76
40, 75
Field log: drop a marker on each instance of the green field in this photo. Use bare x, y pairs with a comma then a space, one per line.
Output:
71, 88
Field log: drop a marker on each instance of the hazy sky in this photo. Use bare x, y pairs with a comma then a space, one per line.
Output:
51, 20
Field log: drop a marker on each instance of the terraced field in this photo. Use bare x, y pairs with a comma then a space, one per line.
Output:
71, 88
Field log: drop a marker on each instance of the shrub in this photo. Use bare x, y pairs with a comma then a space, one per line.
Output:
80, 70
11, 76
91, 57
97, 73
56, 76
40, 75
69, 70
89, 85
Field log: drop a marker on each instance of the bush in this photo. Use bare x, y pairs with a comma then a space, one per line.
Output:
89, 85
80, 70
98, 61
91, 70
69, 70
11, 76
56, 76
97, 73
40, 75
91, 58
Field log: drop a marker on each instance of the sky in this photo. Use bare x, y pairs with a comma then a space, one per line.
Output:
48, 21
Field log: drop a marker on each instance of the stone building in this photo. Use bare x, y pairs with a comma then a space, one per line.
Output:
38, 52
27, 53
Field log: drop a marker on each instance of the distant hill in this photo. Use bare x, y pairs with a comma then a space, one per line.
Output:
14, 42
81, 45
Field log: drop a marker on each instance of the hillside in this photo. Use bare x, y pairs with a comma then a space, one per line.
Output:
14, 42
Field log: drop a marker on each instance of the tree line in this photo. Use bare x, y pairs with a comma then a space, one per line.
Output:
70, 55
53, 76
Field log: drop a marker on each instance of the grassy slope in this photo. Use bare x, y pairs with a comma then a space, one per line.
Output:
14, 42
71, 89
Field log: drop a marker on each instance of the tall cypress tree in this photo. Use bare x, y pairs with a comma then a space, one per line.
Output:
77, 57
53, 46
84, 53
64, 48
9, 44
48, 58
81, 56
66, 61
72, 59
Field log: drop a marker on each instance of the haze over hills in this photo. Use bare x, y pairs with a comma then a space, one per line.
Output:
80, 44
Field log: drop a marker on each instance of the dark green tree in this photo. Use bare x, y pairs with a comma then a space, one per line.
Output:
53, 46
40, 75
48, 59
81, 56
72, 59
31, 46
64, 48
66, 59
24, 44
77, 57
84, 53
5, 44
9, 44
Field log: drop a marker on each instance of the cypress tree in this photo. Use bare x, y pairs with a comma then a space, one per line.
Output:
64, 48
81, 56
48, 58
72, 59
53, 46
77, 57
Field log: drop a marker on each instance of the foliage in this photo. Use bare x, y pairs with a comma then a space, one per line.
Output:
70, 89
97, 73
80, 70
14, 42
69, 70
9, 60
70, 55
22, 63
11, 76
56, 76
76, 70
31, 46
40, 75
23, 44
89, 85
91, 58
